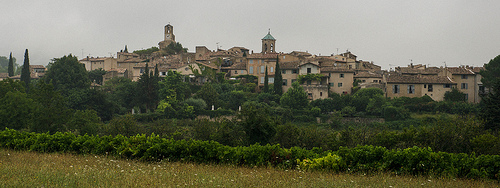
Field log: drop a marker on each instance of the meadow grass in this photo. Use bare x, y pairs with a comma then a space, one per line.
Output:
32, 169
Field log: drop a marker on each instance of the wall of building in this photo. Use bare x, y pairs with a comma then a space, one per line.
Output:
347, 81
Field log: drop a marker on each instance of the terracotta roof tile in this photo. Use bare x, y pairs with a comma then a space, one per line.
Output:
118, 70
336, 69
237, 66
367, 74
262, 56
289, 65
409, 70
459, 70
415, 79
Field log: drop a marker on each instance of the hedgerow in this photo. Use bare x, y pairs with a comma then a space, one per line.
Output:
414, 160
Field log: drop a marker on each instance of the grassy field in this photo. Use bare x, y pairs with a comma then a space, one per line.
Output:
30, 169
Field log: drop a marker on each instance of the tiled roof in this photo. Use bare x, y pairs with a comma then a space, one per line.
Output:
409, 70
299, 53
309, 62
268, 37
459, 70
415, 79
262, 56
289, 65
335, 69
118, 70
367, 74
237, 66
210, 65
133, 60
477, 69
37, 67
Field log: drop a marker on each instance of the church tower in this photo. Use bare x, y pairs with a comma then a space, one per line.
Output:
268, 43
169, 32
169, 37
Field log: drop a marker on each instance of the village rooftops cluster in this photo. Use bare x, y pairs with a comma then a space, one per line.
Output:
338, 71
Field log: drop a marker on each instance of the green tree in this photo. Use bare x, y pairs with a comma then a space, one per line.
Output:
148, 90
16, 110
266, 82
148, 51
491, 72
208, 94
362, 97
25, 74
52, 113
174, 81
95, 76
67, 74
257, 124
295, 97
454, 95
93, 99
490, 107
122, 91
278, 79
11, 65
85, 122
175, 48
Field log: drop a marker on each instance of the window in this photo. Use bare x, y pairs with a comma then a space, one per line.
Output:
285, 82
251, 70
186, 69
395, 89
283, 71
331, 84
329, 74
342, 75
309, 95
464, 76
250, 61
464, 86
262, 69
271, 80
429, 88
308, 70
466, 97
261, 80
411, 89
295, 71
242, 72
142, 71
272, 69
261, 61
294, 80
339, 84
320, 94
235, 72
447, 85
284, 57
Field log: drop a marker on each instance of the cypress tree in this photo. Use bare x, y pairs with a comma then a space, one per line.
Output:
278, 79
11, 65
266, 83
25, 73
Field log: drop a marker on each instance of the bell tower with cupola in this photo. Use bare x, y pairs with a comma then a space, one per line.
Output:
268, 43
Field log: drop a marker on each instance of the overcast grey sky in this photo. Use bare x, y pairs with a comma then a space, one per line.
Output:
457, 32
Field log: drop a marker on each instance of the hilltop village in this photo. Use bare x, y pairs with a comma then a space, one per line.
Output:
338, 73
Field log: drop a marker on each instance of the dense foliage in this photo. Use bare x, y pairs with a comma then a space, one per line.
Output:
414, 160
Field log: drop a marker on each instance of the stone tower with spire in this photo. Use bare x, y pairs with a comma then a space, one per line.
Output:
268, 43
